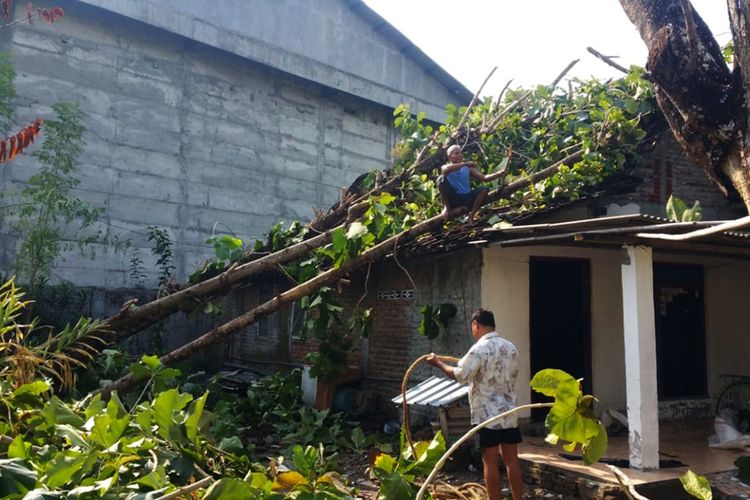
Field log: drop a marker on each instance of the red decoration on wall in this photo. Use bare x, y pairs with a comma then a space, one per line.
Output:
14, 145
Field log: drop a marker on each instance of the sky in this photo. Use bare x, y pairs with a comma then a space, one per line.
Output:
530, 41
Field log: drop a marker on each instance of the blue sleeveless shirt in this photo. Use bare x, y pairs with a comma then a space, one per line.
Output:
459, 180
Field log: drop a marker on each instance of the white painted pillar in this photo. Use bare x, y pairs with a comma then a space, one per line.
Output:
640, 357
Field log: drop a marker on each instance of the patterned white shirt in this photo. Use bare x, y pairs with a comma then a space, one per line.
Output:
491, 367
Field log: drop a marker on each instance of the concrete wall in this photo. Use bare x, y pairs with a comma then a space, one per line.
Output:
183, 136
505, 289
341, 44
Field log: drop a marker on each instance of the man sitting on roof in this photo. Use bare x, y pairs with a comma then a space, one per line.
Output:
455, 187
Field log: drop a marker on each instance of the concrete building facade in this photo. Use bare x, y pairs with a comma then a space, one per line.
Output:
222, 116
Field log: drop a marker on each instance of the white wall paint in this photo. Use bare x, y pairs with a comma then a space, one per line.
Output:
505, 290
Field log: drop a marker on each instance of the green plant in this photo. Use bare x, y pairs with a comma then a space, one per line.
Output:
49, 217
397, 474
697, 486
227, 249
28, 351
137, 272
434, 322
162, 249
678, 211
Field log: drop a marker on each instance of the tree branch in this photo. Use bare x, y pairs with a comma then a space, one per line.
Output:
607, 59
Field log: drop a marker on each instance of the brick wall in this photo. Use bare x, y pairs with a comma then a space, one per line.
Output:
665, 171
395, 342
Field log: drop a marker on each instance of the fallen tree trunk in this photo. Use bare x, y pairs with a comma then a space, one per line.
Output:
380, 250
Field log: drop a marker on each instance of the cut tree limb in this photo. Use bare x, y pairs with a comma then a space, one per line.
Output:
378, 251
607, 59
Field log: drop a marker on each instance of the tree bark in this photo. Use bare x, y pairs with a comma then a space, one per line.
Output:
703, 102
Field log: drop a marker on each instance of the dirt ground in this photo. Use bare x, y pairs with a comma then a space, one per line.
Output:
355, 468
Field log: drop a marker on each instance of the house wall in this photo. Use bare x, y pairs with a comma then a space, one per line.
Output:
666, 171
183, 136
395, 292
395, 342
505, 290
341, 44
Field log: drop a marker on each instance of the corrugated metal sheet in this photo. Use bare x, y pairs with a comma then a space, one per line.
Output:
435, 391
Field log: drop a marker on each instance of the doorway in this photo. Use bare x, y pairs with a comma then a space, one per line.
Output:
560, 318
680, 331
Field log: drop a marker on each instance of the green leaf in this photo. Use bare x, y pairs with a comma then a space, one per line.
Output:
107, 429
546, 381
151, 361
595, 448
359, 441
19, 448
338, 240
675, 208
15, 478
60, 470
385, 198
385, 463
57, 412
232, 445
697, 486
95, 406
34, 388
427, 455
228, 489
139, 371
75, 437
191, 424
155, 479
164, 406
395, 486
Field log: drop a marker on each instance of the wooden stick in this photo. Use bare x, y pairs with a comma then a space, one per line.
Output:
626, 484
502, 93
474, 99
607, 59
187, 489
564, 72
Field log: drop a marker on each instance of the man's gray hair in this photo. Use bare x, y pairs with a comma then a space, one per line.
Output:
453, 148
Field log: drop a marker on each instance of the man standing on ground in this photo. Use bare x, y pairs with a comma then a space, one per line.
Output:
491, 367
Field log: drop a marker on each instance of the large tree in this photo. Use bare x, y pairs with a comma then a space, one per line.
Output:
703, 99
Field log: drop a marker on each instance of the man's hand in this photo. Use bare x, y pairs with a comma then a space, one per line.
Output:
433, 360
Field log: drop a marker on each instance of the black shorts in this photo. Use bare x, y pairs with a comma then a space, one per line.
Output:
455, 199
494, 437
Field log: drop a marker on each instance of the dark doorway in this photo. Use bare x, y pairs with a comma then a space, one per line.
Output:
680, 331
560, 316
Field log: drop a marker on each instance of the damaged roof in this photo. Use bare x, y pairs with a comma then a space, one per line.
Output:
608, 231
